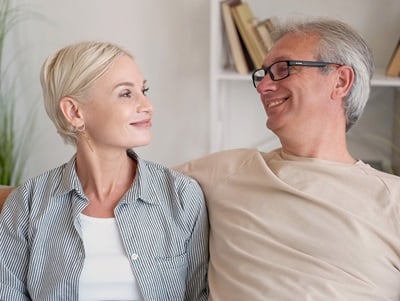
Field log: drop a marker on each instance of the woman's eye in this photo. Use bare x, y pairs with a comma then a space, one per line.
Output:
145, 90
126, 94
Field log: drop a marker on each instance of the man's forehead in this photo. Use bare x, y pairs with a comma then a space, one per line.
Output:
293, 46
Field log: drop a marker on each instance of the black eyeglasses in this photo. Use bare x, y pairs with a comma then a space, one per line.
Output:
281, 69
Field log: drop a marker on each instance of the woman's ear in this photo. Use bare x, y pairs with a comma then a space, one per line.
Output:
344, 82
71, 111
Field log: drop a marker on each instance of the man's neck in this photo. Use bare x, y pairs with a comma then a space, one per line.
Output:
324, 149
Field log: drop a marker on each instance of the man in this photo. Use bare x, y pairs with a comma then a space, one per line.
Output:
307, 221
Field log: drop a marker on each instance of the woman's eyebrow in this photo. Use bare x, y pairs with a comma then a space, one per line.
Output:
130, 84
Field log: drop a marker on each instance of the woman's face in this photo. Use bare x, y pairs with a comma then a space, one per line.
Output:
118, 113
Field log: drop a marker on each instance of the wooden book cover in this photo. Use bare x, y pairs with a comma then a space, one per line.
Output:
235, 45
393, 68
245, 21
264, 32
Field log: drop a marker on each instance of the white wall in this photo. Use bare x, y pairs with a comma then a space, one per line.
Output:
170, 39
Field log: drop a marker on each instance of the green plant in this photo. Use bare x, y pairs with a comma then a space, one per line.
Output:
13, 155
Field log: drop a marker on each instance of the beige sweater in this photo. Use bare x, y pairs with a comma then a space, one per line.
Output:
290, 228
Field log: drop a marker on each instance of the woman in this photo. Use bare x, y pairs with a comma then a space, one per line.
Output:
106, 225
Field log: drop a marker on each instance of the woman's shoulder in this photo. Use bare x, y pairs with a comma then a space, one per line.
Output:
49, 179
171, 188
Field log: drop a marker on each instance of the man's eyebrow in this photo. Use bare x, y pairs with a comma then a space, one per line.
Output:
281, 58
277, 59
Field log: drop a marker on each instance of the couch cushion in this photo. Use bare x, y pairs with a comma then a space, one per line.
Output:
4, 192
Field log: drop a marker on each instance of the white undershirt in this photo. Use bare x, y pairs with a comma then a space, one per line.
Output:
106, 274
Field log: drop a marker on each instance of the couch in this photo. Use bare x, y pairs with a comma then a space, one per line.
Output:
4, 192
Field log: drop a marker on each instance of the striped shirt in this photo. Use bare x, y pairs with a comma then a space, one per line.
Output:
162, 220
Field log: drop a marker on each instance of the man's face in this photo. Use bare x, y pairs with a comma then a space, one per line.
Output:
298, 104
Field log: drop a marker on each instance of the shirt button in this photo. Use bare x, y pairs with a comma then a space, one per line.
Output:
134, 256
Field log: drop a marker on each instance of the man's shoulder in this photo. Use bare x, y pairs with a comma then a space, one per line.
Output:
215, 166
230, 157
389, 179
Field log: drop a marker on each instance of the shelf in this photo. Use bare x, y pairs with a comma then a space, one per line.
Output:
232, 75
381, 80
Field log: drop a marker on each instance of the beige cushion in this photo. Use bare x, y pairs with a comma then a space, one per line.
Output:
4, 192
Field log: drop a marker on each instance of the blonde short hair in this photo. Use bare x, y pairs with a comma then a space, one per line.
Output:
71, 71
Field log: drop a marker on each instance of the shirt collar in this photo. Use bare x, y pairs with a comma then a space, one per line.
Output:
142, 187
69, 179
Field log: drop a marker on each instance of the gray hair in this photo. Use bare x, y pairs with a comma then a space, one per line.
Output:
71, 71
339, 43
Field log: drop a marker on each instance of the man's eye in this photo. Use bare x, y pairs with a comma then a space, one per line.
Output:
145, 90
281, 69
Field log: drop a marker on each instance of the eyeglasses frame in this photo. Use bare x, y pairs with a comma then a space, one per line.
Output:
267, 70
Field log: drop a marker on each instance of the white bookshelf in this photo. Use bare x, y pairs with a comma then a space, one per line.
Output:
226, 84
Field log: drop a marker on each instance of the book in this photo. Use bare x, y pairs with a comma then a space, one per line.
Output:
264, 30
393, 68
245, 22
232, 35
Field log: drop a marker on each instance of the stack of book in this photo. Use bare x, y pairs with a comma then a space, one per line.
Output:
249, 40
393, 68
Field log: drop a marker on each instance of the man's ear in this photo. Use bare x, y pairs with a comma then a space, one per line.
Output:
71, 111
344, 82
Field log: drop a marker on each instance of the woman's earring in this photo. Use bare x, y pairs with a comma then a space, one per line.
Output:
81, 129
